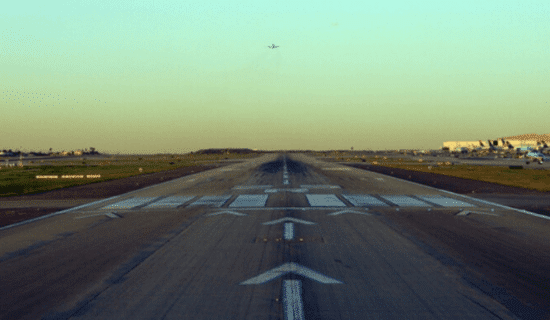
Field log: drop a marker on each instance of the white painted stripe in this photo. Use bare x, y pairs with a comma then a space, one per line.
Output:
181, 180
359, 200
250, 200
300, 190
129, 203
319, 186
404, 201
169, 202
252, 187
289, 230
285, 182
213, 201
58, 213
292, 300
446, 202
287, 268
293, 208
324, 200
336, 169
474, 199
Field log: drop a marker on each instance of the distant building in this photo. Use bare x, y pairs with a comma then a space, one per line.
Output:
523, 143
457, 145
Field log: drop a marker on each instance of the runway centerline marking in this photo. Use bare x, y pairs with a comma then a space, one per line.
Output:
292, 300
289, 231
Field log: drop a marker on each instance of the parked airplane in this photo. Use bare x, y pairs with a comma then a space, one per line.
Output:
273, 46
540, 157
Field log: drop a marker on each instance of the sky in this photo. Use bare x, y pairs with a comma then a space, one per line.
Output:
177, 76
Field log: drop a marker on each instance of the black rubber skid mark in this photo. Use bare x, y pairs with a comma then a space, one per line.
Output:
119, 276
26, 251
272, 167
296, 167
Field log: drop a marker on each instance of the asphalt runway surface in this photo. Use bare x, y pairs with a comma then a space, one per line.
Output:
279, 237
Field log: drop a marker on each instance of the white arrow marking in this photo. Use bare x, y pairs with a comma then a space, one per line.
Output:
288, 219
292, 300
289, 231
346, 211
228, 212
108, 214
287, 268
466, 212
111, 215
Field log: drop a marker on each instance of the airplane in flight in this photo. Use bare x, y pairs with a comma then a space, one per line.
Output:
273, 46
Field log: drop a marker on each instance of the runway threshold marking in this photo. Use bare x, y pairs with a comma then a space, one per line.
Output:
359, 200
169, 202
445, 202
250, 200
405, 201
129, 203
324, 200
214, 201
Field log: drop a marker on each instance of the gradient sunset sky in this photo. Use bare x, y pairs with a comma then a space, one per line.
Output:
178, 76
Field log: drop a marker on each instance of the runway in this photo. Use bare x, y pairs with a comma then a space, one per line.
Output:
283, 236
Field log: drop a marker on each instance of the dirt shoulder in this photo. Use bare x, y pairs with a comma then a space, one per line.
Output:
49, 202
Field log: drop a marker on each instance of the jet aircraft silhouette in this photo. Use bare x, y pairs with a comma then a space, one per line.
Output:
273, 46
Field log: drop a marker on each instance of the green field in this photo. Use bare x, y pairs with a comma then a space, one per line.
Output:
16, 181
534, 179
